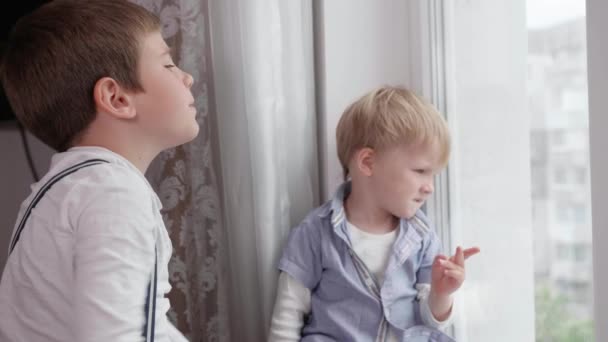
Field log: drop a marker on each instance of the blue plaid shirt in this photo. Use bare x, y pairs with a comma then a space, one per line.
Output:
347, 304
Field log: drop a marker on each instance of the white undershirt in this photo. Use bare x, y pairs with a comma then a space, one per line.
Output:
373, 249
293, 298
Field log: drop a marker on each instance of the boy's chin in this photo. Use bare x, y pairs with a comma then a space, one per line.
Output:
407, 213
194, 134
187, 136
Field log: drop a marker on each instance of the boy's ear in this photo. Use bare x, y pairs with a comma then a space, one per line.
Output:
364, 160
112, 99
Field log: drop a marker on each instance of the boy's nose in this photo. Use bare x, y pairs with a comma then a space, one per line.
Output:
188, 80
428, 188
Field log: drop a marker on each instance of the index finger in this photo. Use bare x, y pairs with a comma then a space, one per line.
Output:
459, 256
470, 252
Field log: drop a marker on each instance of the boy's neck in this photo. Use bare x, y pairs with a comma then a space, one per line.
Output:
140, 158
363, 212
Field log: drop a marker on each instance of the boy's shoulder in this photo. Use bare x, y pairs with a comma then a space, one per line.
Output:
317, 221
96, 174
323, 211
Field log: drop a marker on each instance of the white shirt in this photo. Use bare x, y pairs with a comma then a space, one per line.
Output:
82, 264
293, 298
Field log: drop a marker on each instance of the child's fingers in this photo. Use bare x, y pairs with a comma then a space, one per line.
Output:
457, 275
450, 265
465, 254
440, 257
438, 260
470, 252
459, 256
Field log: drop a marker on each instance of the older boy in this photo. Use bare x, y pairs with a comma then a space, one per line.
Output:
88, 258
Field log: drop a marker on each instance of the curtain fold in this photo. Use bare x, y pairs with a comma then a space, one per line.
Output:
264, 81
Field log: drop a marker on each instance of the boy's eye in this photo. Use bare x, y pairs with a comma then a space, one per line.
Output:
421, 171
169, 66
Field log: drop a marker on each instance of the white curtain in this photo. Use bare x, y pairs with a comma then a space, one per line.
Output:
262, 57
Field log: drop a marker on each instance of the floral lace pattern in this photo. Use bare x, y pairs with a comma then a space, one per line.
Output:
186, 182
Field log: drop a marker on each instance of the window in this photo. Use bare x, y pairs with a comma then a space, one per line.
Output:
558, 136
563, 252
580, 253
581, 175
516, 96
560, 175
565, 78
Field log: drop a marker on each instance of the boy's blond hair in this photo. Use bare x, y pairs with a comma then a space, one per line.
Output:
56, 55
388, 116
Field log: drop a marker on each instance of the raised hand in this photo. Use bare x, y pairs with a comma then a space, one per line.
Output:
448, 274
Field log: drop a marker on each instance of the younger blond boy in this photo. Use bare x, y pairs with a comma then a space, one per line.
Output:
367, 265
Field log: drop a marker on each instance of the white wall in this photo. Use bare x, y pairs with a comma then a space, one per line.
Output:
359, 45
15, 178
597, 68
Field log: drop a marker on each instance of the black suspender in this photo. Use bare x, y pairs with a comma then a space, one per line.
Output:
150, 315
56, 178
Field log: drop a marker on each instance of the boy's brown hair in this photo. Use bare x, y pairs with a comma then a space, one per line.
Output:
388, 116
56, 54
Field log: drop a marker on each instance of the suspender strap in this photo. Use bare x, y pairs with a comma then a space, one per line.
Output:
151, 303
46, 188
150, 306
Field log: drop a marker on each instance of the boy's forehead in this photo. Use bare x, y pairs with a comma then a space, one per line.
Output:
418, 146
155, 44
429, 151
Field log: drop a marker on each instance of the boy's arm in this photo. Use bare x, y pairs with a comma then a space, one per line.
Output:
291, 306
113, 260
301, 269
447, 276
428, 309
426, 313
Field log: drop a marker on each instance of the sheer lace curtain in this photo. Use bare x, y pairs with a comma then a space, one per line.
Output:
231, 196
187, 181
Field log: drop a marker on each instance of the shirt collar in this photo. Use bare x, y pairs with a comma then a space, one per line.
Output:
411, 231
112, 157
335, 207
